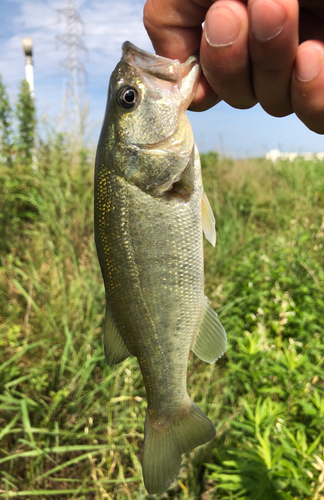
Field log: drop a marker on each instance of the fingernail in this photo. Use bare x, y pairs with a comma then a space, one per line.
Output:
221, 27
267, 19
308, 64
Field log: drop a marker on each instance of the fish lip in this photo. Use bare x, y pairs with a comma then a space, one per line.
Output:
162, 67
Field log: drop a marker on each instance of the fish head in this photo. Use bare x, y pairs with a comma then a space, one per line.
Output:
146, 132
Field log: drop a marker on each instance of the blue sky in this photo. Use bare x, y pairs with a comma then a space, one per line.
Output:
238, 133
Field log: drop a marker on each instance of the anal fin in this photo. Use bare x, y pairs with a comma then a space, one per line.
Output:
210, 343
115, 349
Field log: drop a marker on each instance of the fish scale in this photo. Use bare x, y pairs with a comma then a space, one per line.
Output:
150, 212
180, 291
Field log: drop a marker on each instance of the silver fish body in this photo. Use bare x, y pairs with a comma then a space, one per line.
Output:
150, 211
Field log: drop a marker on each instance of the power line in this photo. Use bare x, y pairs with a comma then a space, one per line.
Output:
74, 69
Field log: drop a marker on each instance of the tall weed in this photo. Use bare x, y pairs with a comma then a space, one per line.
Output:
71, 427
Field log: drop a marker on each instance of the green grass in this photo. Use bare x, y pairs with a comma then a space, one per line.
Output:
71, 427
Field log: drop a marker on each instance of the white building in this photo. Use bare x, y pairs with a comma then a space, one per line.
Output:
274, 155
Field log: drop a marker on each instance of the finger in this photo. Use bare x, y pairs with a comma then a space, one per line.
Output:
205, 97
307, 87
174, 26
273, 46
224, 53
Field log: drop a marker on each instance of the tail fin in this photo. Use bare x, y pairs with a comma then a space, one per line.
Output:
164, 445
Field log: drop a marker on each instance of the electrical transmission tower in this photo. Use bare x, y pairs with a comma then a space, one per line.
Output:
74, 95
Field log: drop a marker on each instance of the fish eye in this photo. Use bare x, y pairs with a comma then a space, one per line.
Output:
127, 97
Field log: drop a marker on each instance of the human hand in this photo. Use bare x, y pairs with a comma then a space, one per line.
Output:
266, 51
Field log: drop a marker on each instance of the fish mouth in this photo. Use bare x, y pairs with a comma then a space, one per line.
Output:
186, 74
171, 70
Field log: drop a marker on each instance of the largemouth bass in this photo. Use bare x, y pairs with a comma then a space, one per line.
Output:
150, 213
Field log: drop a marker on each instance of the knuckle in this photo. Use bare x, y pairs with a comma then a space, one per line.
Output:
149, 18
146, 15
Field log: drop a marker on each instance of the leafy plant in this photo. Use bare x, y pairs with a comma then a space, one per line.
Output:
71, 427
26, 114
5, 125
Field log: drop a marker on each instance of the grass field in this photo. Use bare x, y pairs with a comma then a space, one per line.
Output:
71, 427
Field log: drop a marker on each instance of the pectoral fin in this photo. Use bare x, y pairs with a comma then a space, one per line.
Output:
210, 343
208, 220
115, 349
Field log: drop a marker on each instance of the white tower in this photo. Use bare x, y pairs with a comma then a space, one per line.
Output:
27, 45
